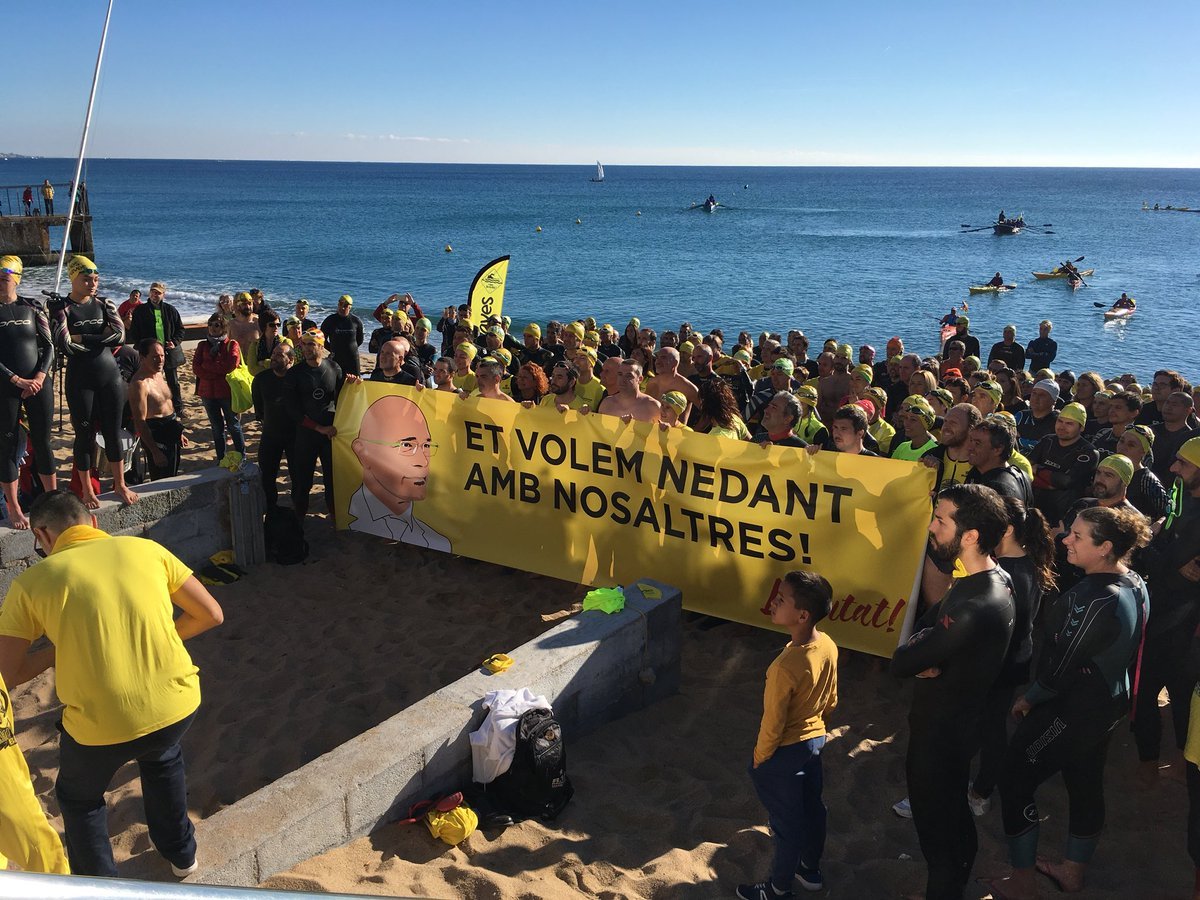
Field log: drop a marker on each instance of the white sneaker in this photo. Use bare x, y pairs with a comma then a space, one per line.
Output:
184, 873
979, 805
903, 809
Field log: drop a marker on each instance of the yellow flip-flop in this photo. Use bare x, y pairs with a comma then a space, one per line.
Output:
498, 662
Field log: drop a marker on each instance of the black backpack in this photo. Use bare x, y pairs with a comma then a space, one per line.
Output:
283, 536
536, 784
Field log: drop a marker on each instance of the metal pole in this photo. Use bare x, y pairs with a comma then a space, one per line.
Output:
31, 886
87, 124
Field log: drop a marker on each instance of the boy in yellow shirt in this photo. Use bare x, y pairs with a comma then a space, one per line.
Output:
786, 770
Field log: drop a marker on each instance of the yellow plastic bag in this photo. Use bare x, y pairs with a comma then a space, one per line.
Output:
239, 387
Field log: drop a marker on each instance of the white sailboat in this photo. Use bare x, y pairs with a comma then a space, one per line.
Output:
599, 173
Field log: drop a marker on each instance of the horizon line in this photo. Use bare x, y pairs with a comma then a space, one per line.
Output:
4, 157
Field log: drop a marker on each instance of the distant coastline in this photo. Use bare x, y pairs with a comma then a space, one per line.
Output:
15, 156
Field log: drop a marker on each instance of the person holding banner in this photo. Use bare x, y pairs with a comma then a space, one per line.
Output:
956, 653
630, 403
488, 375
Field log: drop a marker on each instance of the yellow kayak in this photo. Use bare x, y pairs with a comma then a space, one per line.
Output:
990, 289
1059, 273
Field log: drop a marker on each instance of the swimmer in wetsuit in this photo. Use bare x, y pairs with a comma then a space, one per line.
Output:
1080, 694
956, 652
311, 397
26, 354
86, 328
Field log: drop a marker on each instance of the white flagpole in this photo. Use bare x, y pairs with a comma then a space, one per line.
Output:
87, 124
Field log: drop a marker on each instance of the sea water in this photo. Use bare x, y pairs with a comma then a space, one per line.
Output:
859, 254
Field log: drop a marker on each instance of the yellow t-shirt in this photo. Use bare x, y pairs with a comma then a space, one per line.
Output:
25, 836
465, 382
552, 400
592, 392
801, 690
121, 669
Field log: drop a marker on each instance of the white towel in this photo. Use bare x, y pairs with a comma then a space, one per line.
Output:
493, 745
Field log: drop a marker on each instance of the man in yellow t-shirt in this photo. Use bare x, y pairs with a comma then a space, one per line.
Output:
25, 836
128, 687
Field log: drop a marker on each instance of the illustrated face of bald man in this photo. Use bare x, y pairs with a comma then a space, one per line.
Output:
394, 448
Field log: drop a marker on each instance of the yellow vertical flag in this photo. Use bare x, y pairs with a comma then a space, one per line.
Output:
486, 297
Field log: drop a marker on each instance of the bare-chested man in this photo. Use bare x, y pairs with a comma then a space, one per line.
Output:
488, 375
608, 377
630, 402
832, 386
153, 411
244, 327
667, 378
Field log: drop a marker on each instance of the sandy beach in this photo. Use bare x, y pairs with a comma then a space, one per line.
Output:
311, 655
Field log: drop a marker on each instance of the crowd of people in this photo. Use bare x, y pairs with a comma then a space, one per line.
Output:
1064, 547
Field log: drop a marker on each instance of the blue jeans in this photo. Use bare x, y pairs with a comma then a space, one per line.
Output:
84, 775
221, 416
789, 786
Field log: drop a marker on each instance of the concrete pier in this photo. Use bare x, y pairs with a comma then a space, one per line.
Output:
29, 238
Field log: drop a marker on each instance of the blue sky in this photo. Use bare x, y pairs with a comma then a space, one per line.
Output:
851, 83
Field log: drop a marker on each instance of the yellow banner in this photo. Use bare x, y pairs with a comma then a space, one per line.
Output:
588, 499
486, 296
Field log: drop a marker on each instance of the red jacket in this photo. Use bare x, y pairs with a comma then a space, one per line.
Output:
211, 366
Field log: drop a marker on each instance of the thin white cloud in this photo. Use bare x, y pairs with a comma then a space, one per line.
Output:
421, 139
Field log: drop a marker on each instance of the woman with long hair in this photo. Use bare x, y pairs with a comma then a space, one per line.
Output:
1026, 553
719, 412
1069, 712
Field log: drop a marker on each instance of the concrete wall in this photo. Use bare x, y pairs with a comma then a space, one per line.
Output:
593, 668
193, 516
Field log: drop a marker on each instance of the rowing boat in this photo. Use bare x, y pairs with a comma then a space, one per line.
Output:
991, 289
1060, 273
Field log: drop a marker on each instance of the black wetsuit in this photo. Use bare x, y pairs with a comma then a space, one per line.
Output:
1176, 607
1006, 480
343, 337
1041, 352
270, 394
967, 637
1012, 355
311, 401
1031, 430
1066, 474
993, 731
26, 348
1081, 692
1147, 494
409, 374
94, 386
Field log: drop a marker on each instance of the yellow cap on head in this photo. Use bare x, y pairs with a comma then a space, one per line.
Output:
469, 349
13, 264
80, 265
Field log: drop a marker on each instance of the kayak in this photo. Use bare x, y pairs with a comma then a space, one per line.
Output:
989, 289
1059, 273
948, 332
1074, 283
1111, 314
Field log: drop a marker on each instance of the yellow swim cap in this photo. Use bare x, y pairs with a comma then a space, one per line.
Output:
346, 299
80, 265
1074, 412
313, 336
1190, 451
865, 372
675, 400
469, 349
13, 264
576, 328
1122, 465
